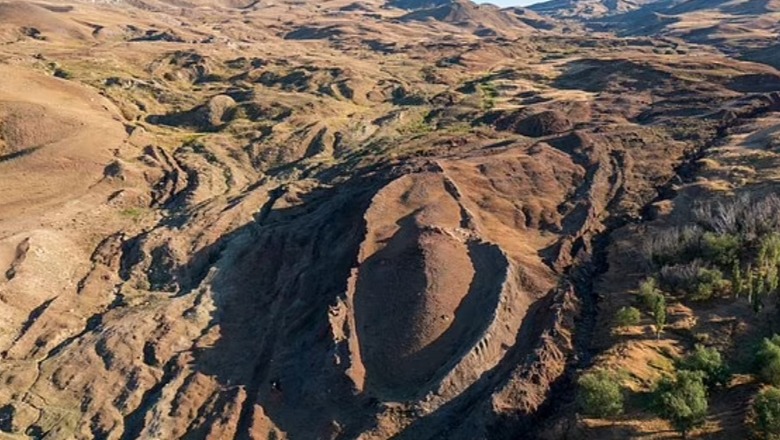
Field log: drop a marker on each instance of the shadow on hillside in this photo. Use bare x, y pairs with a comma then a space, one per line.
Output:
274, 282
390, 310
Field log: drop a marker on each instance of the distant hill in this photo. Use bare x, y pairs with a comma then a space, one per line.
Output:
418, 4
748, 28
484, 19
587, 9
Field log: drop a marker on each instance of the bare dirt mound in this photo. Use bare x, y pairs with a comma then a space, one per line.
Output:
49, 124
415, 306
26, 19
207, 117
25, 126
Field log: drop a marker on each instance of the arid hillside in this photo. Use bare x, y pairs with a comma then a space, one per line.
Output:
744, 29
370, 220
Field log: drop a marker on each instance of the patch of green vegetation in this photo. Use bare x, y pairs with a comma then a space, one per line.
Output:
731, 250
627, 317
692, 130
600, 394
764, 416
489, 94
682, 400
662, 363
709, 362
768, 360
654, 302
417, 126
458, 128
135, 214
708, 283
191, 140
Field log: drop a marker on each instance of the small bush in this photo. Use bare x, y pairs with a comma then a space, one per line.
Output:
681, 278
695, 280
709, 283
659, 315
722, 250
682, 400
135, 214
708, 361
627, 317
600, 394
489, 95
654, 302
765, 414
768, 361
648, 293
769, 251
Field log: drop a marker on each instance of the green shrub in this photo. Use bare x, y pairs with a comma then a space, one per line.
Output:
682, 400
627, 316
654, 302
768, 360
737, 279
765, 414
659, 314
722, 250
769, 251
708, 361
709, 283
648, 293
733, 248
600, 394
772, 279
489, 95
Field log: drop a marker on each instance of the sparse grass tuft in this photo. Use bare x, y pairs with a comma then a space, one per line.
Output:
489, 95
135, 214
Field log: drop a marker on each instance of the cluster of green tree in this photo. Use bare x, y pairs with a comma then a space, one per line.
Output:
765, 412
653, 302
732, 249
682, 399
